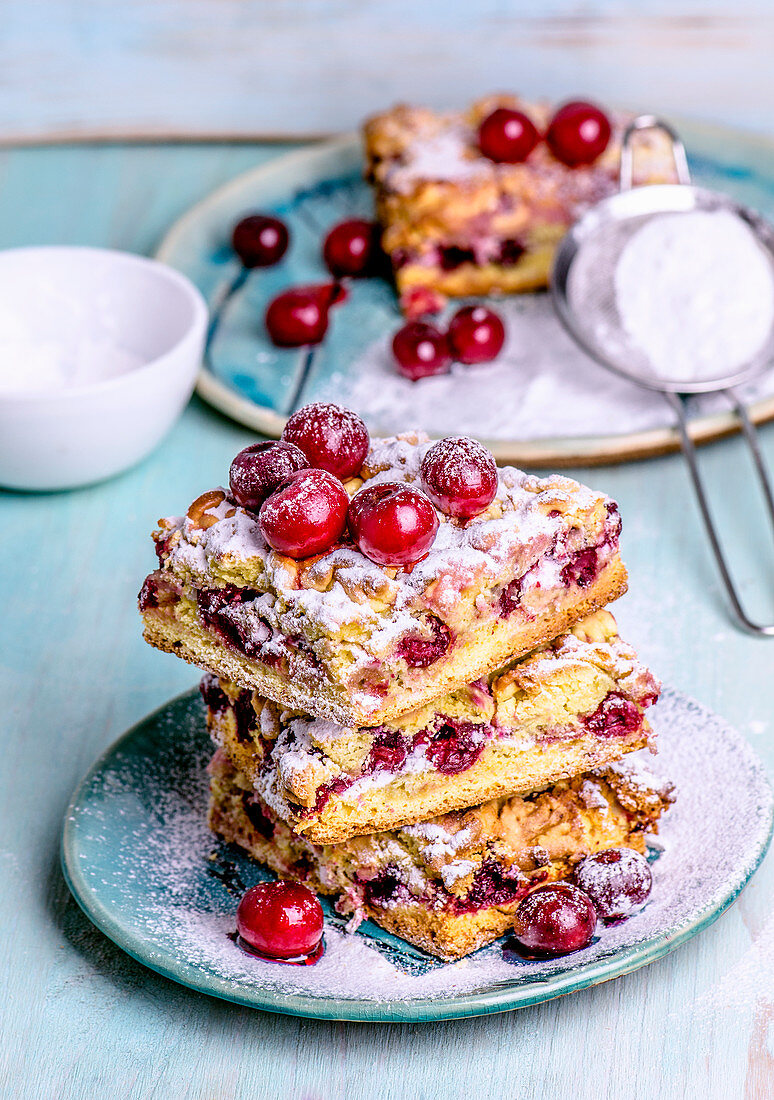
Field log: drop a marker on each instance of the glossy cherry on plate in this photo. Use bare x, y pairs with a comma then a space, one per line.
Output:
351, 248
507, 136
476, 334
282, 920
259, 469
300, 315
554, 920
392, 524
420, 350
260, 240
578, 133
618, 881
331, 437
460, 476
306, 515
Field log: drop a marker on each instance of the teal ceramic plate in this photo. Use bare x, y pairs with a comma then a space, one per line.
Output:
138, 857
541, 402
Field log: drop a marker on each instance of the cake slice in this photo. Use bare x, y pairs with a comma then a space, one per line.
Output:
576, 704
338, 636
452, 884
457, 223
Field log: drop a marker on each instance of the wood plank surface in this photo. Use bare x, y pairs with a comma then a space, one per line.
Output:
82, 1020
305, 67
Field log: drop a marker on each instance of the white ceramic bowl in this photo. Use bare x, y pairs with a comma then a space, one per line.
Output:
92, 300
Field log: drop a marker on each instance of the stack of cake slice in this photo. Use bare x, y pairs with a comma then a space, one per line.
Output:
426, 744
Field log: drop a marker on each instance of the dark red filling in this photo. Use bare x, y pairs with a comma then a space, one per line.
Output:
493, 884
451, 256
336, 786
510, 597
420, 652
217, 608
510, 253
616, 716
581, 569
453, 748
213, 695
257, 818
162, 547
383, 888
388, 752
156, 592
246, 718
148, 597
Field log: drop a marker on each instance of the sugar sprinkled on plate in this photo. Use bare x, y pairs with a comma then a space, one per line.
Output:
142, 823
540, 386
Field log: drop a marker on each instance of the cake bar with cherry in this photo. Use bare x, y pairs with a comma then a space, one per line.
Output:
455, 883
573, 705
357, 580
475, 202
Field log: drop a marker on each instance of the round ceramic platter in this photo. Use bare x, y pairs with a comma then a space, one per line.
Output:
141, 862
542, 402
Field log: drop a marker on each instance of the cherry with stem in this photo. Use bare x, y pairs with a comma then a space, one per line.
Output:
258, 240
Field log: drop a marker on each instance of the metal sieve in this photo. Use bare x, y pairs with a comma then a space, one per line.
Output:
583, 291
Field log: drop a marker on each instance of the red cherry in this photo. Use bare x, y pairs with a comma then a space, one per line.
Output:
332, 437
306, 515
420, 350
260, 240
555, 920
578, 133
476, 334
392, 523
258, 470
618, 881
350, 248
507, 136
460, 476
300, 315
283, 920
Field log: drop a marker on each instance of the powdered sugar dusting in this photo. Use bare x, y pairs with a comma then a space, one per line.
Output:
440, 842
528, 518
139, 840
541, 386
446, 155
695, 294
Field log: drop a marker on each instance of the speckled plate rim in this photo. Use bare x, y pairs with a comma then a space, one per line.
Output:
271, 182
421, 1010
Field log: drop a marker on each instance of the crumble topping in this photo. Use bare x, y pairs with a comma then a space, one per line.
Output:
528, 518
413, 146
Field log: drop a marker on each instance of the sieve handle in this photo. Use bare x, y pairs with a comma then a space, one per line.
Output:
689, 450
650, 122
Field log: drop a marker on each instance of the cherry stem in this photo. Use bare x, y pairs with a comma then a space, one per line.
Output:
306, 366
220, 302
303, 378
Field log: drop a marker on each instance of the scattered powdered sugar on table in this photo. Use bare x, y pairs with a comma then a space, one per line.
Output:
142, 844
695, 293
541, 386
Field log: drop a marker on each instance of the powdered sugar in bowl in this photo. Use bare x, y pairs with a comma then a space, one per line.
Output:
99, 352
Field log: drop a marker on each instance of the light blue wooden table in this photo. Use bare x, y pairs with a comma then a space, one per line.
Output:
81, 1020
